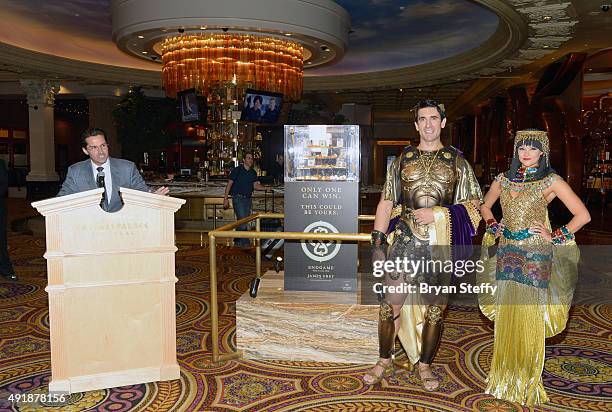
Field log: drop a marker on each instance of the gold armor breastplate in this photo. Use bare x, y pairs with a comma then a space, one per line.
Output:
428, 180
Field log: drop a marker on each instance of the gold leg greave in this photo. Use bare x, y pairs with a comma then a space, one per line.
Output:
432, 333
386, 330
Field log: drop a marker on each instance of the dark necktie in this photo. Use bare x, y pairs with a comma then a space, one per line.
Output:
100, 177
100, 183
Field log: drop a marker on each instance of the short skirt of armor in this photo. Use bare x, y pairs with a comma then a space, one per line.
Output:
406, 245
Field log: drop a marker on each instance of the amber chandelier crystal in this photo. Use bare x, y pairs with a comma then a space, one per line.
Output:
212, 60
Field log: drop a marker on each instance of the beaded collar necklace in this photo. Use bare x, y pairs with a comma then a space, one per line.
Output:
525, 174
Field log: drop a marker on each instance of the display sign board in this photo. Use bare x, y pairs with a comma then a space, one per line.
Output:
321, 207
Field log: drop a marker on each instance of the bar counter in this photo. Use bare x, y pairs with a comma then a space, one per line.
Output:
205, 200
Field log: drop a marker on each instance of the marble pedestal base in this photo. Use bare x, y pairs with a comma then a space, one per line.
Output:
305, 326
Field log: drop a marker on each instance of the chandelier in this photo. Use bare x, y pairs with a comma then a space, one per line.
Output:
208, 61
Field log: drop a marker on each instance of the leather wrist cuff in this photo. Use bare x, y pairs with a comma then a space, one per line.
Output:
378, 238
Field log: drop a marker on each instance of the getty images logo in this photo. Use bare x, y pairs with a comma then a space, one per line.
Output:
321, 251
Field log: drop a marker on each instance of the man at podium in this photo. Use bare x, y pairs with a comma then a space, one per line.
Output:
100, 170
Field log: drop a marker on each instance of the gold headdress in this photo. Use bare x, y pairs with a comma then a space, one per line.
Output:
531, 135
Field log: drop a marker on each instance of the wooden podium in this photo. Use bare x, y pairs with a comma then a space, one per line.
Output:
111, 290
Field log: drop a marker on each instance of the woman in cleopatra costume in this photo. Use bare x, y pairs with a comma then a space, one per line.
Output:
434, 193
534, 269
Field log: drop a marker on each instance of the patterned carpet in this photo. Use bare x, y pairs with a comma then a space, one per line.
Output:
577, 375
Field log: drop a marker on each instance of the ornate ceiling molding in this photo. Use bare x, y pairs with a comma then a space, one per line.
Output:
509, 37
27, 63
528, 30
550, 25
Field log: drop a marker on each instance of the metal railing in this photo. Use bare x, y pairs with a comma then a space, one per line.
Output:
227, 231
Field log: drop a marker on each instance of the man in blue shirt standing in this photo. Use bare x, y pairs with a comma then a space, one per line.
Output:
242, 181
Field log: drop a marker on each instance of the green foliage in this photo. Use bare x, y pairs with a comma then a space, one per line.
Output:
145, 125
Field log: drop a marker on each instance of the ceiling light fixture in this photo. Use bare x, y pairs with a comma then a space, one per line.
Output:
204, 52
208, 61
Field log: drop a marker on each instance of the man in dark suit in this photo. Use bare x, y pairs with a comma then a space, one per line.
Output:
272, 112
254, 112
6, 267
86, 175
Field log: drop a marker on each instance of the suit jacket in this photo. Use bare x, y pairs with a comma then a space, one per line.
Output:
80, 178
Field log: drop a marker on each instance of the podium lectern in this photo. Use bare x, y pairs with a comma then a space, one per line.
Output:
111, 290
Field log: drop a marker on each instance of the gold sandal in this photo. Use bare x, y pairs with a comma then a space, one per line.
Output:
386, 372
404, 365
425, 380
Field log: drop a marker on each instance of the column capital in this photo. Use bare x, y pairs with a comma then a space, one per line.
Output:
40, 91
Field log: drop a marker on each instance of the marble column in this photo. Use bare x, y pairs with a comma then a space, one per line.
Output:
102, 101
42, 180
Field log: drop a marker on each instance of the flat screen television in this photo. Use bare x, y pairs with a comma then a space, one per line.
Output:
189, 105
261, 107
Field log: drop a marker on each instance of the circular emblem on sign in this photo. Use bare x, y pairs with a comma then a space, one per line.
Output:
321, 251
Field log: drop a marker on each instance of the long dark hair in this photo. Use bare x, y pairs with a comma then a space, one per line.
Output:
544, 168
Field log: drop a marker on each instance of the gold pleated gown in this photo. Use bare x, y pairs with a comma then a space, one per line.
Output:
533, 297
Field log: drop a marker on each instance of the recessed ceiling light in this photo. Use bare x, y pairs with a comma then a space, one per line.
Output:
401, 90
308, 62
546, 46
144, 52
203, 28
141, 37
287, 34
546, 18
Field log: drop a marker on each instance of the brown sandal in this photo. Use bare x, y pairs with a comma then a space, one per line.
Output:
387, 371
425, 380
